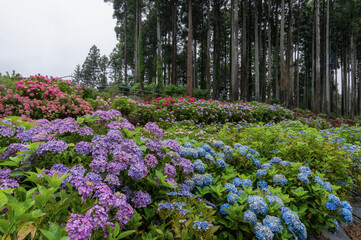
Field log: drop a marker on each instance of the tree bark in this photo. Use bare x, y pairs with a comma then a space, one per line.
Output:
327, 79
125, 43
290, 57
174, 42
269, 53
283, 82
136, 42
244, 51
208, 67
317, 104
234, 68
256, 53
189, 51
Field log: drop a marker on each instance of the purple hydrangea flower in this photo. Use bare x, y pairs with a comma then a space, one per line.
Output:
115, 167
85, 131
172, 144
114, 136
79, 227
138, 171
83, 147
127, 125
98, 165
113, 180
6, 131
186, 165
150, 160
124, 214
154, 145
153, 128
169, 170
141, 199
97, 216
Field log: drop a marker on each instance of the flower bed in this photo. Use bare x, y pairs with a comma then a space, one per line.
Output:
40, 97
112, 180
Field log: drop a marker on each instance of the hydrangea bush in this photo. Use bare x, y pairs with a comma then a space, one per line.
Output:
113, 180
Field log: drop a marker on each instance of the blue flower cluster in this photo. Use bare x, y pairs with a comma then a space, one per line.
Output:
297, 228
202, 225
280, 179
257, 205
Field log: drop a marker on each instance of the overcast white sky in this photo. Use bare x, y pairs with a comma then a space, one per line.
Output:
51, 37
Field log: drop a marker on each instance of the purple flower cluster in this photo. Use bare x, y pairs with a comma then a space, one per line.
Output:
6, 181
150, 160
54, 146
141, 199
85, 131
172, 144
6, 131
169, 170
83, 148
12, 149
79, 227
153, 128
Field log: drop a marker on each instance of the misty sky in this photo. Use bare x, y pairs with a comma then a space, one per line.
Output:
51, 37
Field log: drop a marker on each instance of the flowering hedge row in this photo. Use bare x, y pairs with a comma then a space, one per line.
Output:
40, 97
202, 112
113, 180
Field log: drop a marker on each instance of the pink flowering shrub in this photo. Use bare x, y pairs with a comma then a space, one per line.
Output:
40, 87
41, 97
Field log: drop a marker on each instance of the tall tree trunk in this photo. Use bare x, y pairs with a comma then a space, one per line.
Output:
136, 42
189, 53
256, 54
195, 80
336, 108
317, 103
244, 51
216, 49
327, 99
174, 42
208, 70
269, 53
283, 82
290, 57
125, 43
277, 57
234, 68
353, 74
159, 78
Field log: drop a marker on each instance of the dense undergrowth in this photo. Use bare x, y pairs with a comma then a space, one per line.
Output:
216, 171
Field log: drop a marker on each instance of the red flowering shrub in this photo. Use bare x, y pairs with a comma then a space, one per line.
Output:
40, 97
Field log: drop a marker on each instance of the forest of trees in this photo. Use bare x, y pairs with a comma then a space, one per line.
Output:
301, 53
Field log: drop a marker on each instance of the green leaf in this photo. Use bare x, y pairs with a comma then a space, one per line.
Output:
125, 234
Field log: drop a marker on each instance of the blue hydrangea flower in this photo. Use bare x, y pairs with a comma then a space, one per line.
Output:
220, 155
202, 225
221, 162
303, 178
228, 150
346, 215
266, 166
231, 187
335, 200
199, 166
328, 186
246, 183
232, 198
198, 180
207, 179
206, 147
305, 170
257, 163
250, 217
280, 179
188, 145
285, 163
223, 208
261, 172
257, 205
209, 157
273, 223
319, 180
262, 183
264, 233
218, 143
274, 198
201, 152
346, 205
237, 181
276, 160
